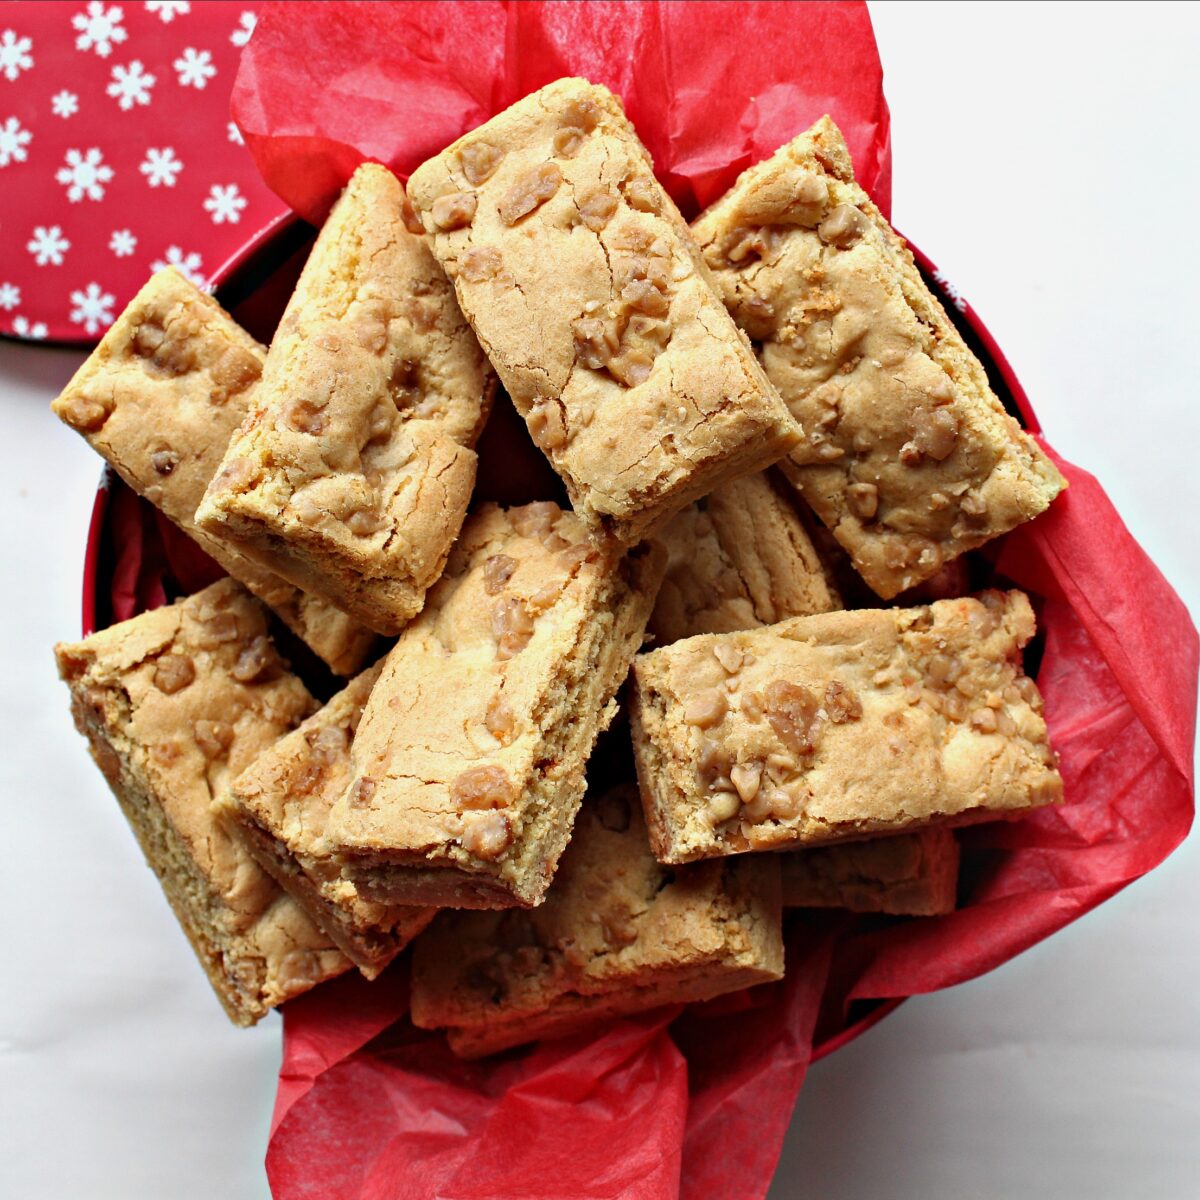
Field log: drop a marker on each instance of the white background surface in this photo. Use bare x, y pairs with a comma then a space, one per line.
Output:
1045, 159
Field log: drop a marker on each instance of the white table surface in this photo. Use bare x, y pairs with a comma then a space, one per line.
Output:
1045, 158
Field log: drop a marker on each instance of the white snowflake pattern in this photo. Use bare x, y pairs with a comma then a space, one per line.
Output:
10, 296
84, 175
246, 23
952, 293
235, 135
160, 167
99, 28
93, 308
13, 140
225, 204
195, 68
64, 104
48, 245
122, 243
14, 54
24, 327
131, 85
168, 10
187, 265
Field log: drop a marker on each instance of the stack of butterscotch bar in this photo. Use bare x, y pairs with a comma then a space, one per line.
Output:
789, 751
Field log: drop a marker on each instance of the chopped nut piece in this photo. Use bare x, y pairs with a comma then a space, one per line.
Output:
842, 227
706, 709
597, 207
497, 571
304, 416
237, 475
499, 720
863, 499
479, 161
85, 413
361, 792
746, 778
512, 626
483, 787
935, 433
841, 703
730, 657
546, 427
486, 834
792, 711
164, 461
365, 521
596, 341
642, 194
567, 142
984, 719
255, 661
480, 263
722, 806
213, 737
454, 211
173, 672
530, 192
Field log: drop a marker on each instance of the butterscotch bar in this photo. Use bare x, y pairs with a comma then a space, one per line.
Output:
839, 726
174, 703
277, 809
737, 559
352, 472
909, 457
469, 758
908, 874
582, 282
618, 934
159, 399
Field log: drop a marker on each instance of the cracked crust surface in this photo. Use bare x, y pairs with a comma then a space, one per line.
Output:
586, 290
277, 808
352, 472
174, 703
158, 399
908, 874
838, 726
909, 457
738, 559
618, 933
469, 758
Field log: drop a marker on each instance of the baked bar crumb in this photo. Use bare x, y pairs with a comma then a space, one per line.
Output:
174, 703
839, 726
618, 934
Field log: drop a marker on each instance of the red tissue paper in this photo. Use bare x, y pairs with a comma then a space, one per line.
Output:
695, 1103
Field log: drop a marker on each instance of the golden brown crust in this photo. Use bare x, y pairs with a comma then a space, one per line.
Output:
352, 473
469, 757
617, 934
174, 703
839, 726
909, 457
159, 399
737, 559
908, 874
581, 279
277, 808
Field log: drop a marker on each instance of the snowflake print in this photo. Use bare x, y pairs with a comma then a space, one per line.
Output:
48, 245
187, 265
225, 204
24, 327
14, 54
13, 140
160, 167
235, 135
10, 296
131, 85
246, 23
64, 104
93, 308
195, 68
168, 10
84, 175
122, 243
99, 28
952, 293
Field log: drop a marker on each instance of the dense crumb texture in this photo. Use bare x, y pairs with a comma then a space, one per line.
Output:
909, 456
352, 472
618, 933
737, 559
159, 399
277, 808
582, 282
908, 874
838, 726
469, 758
174, 703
